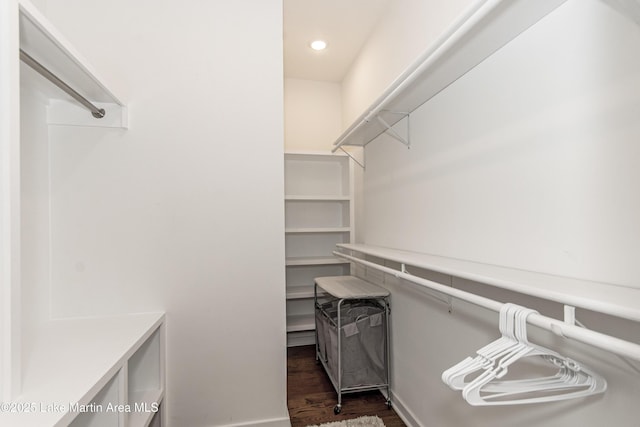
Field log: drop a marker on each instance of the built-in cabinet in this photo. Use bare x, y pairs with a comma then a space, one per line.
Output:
318, 215
103, 371
59, 368
133, 394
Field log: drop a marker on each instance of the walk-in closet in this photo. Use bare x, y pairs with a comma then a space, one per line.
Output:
494, 180
192, 197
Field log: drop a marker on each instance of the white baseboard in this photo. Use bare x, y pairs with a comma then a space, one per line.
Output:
403, 412
275, 422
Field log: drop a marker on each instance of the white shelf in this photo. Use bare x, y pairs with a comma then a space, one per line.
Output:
316, 176
301, 338
147, 406
606, 298
146, 381
302, 292
41, 40
482, 30
313, 154
301, 322
73, 359
306, 230
106, 399
315, 261
322, 198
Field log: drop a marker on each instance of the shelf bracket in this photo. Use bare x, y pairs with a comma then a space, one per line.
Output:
389, 130
569, 314
444, 299
361, 164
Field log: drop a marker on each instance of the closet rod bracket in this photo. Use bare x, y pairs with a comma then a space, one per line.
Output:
446, 299
96, 112
569, 314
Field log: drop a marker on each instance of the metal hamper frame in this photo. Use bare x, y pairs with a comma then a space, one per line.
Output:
346, 288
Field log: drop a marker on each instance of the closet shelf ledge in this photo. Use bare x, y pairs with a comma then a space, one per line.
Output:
485, 27
612, 299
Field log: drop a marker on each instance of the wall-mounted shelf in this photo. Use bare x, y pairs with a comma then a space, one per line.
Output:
307, 261
300, 292
309, 230
518, 281
41, 40
300, 323
605, 298
317, 198
485, 27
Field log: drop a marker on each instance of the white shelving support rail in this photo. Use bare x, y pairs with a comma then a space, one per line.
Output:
609, 299
485, 27
46, 45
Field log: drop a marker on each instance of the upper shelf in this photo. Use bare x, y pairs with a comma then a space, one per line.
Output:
483, 29
41, 40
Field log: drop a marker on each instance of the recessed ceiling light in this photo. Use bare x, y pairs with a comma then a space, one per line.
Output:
318, 45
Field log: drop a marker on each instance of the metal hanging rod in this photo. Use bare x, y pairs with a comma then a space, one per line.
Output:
96, 112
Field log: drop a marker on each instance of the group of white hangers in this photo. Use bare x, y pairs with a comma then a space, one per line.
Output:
492, 362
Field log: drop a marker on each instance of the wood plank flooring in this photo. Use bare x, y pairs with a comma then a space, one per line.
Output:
311, 396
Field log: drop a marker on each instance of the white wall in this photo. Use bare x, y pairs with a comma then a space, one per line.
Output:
35, 201
313, 122
532, 150
528, 161
10, 344
312, 114
408, 28
182, 212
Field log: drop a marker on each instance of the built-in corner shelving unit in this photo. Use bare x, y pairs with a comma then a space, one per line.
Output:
485, 27
318, 215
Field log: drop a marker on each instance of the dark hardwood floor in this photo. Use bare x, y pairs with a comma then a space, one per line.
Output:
311, 396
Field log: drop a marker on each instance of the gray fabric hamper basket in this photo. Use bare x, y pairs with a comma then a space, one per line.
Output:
363, 334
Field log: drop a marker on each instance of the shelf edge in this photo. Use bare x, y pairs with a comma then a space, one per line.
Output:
501, 277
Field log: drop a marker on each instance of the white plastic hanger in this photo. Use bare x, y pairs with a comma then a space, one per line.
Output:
570, 382
487, 356
493, 361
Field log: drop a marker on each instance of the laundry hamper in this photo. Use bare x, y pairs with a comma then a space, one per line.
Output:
352, 335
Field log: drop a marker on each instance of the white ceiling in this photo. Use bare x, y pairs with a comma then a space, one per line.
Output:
344, 24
